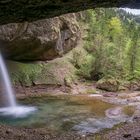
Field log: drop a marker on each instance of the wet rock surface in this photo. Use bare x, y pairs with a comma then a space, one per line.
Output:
12, 133
127, 131
114, 112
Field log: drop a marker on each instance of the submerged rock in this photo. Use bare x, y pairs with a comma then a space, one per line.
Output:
114, 112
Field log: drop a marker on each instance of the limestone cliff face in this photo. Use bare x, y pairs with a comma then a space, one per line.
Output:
40, 40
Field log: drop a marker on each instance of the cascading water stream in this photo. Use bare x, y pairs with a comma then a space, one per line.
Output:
7, 83
13, 108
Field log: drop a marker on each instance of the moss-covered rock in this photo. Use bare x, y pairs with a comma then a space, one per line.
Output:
111, 85
83, 61
54, 72
24, 74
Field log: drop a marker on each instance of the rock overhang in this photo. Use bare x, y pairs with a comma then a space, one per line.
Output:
31, 10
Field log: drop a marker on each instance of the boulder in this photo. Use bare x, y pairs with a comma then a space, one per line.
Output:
40, 40
108, 85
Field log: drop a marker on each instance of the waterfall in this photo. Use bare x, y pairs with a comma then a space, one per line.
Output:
7, 83
13, 108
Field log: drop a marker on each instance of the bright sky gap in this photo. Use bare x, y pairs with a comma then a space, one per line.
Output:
132, 11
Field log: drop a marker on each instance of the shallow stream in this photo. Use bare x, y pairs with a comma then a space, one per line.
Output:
80, 114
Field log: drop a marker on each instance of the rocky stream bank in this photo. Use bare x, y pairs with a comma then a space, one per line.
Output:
128, 130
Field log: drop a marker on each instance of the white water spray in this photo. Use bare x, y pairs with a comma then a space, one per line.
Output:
13, 108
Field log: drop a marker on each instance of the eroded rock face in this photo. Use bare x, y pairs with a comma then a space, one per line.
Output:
40, 40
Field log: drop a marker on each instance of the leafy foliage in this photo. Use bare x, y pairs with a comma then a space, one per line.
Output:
114, 44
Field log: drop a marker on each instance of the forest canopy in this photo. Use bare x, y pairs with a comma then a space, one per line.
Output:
113, 44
